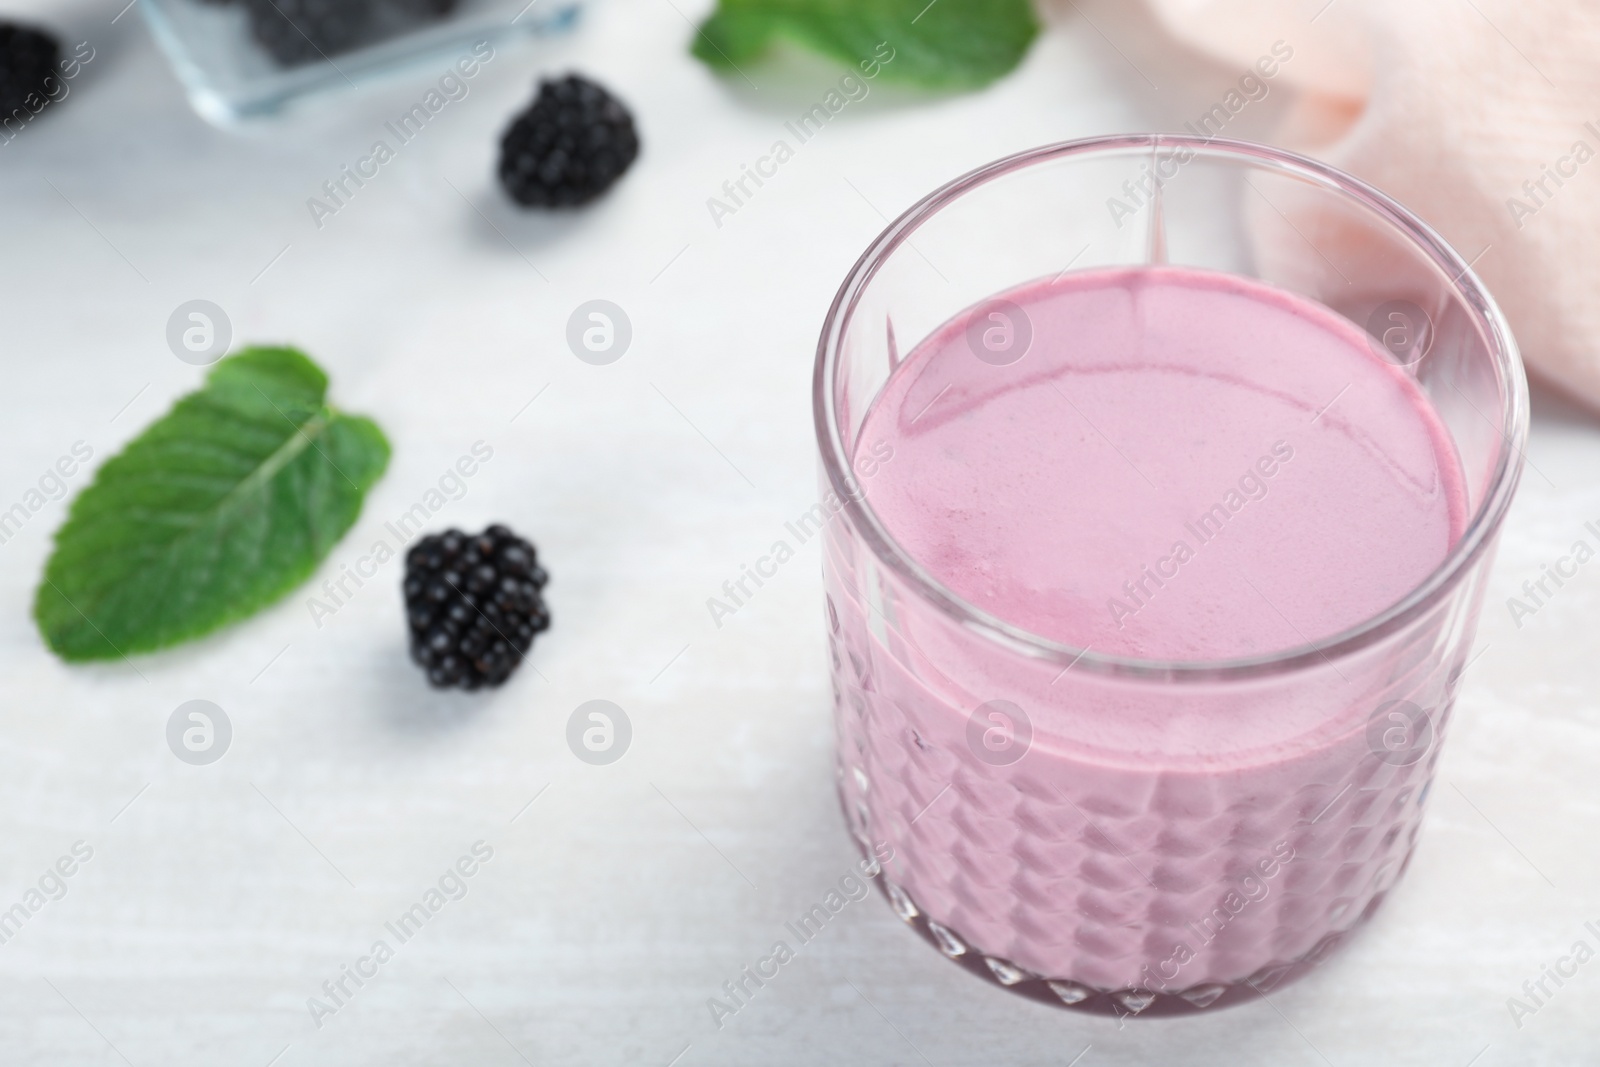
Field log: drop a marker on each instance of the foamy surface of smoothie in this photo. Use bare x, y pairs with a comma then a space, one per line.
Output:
1183, 465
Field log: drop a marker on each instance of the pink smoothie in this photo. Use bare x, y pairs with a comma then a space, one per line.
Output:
1182, 466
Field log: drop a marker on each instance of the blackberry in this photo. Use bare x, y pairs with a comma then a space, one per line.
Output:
27, 57
296, 32
568, 147
473, 605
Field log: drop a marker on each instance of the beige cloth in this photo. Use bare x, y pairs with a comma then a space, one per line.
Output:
1451, 106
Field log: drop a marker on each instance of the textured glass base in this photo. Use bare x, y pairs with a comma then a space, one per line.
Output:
1064, 992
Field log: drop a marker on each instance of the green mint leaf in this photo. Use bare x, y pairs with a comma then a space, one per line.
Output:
216, 510
949, 44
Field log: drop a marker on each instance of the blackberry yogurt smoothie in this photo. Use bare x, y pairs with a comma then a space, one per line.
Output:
1101, 606
1154, 478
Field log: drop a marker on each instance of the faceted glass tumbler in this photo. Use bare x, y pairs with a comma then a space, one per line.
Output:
1040, 835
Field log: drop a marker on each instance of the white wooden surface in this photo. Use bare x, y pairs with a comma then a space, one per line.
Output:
219, 898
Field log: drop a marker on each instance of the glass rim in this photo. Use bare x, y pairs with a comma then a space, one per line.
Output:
1481, 529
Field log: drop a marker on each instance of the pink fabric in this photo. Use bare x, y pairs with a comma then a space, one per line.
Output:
1451, 106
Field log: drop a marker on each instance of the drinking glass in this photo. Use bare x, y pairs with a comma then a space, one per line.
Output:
1042, 832
229, 77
